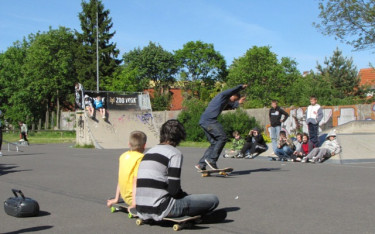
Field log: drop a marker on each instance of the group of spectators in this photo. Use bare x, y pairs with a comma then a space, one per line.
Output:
303, 148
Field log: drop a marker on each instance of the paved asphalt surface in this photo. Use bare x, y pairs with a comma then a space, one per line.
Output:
72, 185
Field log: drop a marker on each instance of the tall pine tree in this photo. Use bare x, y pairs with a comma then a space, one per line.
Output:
86, 61
341, 73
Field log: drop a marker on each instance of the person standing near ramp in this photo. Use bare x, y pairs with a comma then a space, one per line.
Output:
228, 99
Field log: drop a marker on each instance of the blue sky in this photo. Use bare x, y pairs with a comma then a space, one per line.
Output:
232, 26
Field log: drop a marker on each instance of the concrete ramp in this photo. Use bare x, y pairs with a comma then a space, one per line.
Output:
114, 132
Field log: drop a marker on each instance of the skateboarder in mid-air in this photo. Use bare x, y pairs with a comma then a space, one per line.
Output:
228, 99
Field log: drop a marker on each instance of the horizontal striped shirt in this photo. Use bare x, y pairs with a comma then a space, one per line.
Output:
158, 183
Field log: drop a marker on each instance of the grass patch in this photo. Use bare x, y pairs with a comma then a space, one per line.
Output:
44, 137
90, 146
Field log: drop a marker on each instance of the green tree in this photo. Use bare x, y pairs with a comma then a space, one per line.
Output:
153, 63
351, 21
150, 64
268, 78
86, 59
49, 70
341, 74
126, 79
199, 61
14, 98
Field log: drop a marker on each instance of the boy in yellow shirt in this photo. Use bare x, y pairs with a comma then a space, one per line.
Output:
128, 170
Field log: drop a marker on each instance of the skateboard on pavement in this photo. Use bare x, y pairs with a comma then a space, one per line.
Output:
223, 171
179, 223
122, 206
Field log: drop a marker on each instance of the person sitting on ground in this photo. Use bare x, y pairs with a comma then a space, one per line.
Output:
98, 103
254, 145
128, 169
24, 131
285, 147
89, 105
159, 192
304, 149
237, 145
330, 148
298, 142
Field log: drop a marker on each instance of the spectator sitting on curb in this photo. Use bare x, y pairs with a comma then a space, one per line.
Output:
329, 148
304, 149
237, 144
254, 146
285, 147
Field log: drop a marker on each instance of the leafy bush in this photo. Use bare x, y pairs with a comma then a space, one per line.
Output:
237, 120
160, 102
189, 117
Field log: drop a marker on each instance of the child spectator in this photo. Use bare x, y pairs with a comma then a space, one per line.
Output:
24, 131
159, 192
89, 105
275, 115
98, 103
298, 142
237, 145
285, 147
128, 169
314, 115
329, 148
304, 149
254, 144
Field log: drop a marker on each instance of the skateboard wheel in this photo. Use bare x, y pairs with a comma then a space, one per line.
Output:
113, 209
204, 175
177, 227
139, 222
223, 173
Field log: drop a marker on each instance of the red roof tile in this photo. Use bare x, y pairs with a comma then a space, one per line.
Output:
367, 76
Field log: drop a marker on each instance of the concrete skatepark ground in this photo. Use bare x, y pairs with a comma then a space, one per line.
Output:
72, 185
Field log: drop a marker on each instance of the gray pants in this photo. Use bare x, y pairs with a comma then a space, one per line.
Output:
319, 153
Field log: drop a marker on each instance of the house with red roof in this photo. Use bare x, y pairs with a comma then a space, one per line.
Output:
367, 76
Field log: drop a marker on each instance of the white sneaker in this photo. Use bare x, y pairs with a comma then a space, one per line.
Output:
1, 154
304, 160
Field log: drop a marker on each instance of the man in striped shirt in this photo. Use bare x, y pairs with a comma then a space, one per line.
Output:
159, 192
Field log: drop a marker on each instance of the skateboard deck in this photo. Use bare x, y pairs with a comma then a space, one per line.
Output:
223, 171
179, 222
122, 206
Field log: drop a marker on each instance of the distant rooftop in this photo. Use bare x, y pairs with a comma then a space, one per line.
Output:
367, 77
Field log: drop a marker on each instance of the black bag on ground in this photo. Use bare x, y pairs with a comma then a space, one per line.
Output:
21, 206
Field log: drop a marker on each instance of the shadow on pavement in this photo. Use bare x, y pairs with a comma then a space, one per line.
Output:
13, 155
43, 213
232, 209
8, 168
246, 172
32, 229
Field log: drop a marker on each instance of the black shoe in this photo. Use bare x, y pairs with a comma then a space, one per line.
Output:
211, 164
215, 216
